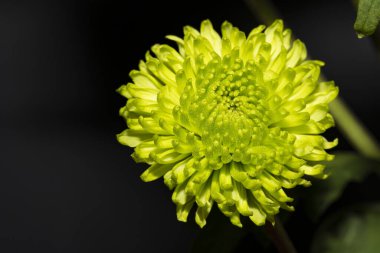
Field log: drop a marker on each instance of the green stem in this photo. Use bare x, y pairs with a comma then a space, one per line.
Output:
354, 130
264, 10
356, 133
279, 237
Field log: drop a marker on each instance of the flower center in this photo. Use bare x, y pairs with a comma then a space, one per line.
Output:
227, 110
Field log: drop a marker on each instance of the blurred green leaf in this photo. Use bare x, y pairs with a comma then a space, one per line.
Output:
367, 18
354, 230
345, 168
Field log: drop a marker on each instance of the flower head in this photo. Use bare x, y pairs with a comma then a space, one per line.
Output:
229, 120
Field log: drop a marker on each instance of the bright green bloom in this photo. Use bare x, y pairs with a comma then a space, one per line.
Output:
230, 120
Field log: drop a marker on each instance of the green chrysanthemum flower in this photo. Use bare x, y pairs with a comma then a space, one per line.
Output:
230, 120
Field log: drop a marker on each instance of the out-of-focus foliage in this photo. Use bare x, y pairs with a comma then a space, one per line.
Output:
354, 230
345, 168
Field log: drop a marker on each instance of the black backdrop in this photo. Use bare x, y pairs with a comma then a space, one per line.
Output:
66, 185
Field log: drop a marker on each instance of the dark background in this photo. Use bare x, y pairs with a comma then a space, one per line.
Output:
66, 185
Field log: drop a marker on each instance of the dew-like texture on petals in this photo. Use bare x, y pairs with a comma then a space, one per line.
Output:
229, 120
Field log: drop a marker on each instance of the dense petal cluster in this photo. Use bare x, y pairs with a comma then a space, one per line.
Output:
229, 119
